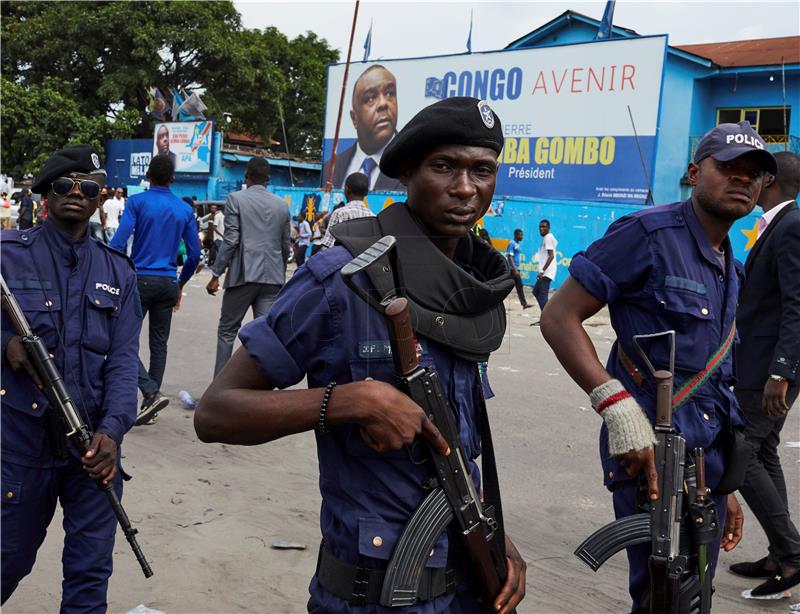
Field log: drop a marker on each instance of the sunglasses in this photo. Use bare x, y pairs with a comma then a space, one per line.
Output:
63, 186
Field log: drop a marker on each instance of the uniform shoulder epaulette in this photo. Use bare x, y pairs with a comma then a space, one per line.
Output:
116, 252
666, 216
328, 261
20, 237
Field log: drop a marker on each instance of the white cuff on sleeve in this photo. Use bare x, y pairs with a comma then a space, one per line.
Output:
628, 426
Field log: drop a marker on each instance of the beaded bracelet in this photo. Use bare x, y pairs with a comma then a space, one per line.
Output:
323, 408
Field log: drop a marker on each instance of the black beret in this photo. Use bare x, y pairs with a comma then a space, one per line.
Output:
452, 121
77, 159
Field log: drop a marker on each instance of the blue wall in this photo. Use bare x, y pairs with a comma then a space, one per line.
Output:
127, 161
574, 224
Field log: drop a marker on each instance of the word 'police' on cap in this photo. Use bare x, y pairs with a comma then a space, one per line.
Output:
453, 121
729, 141
76, 159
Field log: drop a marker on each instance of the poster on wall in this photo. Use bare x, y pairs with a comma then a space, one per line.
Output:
188, 145
564, 111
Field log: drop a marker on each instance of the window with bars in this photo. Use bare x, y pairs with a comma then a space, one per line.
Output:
772, 123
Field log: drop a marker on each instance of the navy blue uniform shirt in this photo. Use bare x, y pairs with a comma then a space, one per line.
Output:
80, 297
321, 329
656, 270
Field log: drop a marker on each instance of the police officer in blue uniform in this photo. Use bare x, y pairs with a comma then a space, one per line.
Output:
318, 328
661, 268
80, 297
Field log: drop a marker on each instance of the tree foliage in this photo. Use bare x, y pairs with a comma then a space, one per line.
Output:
76, 70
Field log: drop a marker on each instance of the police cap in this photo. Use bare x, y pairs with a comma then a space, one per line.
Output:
453, 121
729, 141
76, 159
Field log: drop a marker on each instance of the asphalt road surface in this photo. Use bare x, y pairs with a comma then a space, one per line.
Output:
208, 514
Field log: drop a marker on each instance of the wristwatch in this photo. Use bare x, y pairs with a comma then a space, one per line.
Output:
778, 378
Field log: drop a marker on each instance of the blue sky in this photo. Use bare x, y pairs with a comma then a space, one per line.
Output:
409, 29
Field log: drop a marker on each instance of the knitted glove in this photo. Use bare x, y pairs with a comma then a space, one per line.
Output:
628, 426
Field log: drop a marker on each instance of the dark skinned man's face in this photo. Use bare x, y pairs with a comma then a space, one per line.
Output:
162, 141
74, 208
451, 188
727, 190
374, 112
544, 229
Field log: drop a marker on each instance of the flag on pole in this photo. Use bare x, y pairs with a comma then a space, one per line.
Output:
469, 36
368, 43
177, 101
157, 105
606, 24
192, 108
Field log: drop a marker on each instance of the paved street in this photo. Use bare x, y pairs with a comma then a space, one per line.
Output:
207, 514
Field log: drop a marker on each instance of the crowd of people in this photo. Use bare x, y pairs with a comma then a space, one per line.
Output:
663, 268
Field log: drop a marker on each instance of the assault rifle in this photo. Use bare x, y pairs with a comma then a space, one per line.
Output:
76, 429
663, 524
452, 497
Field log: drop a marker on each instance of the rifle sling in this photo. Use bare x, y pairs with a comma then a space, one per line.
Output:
491, 484
693, 383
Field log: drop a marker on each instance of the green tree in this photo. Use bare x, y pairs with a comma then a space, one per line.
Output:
96, 60
44, 117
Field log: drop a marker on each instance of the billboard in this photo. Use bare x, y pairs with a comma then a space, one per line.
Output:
188, 144
568, 114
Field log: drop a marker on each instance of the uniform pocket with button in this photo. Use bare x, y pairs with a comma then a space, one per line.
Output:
100, 314
43, 311
377, 539
11, 493
691, 315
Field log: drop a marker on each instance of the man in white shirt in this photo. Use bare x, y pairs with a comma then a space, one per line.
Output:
113, 208
546, 258
356, 188
303, 240
219, 229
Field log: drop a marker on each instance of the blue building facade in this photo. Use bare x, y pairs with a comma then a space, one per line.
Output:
703, 85
127, 161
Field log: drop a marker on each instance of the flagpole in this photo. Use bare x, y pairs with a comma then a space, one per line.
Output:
329, 181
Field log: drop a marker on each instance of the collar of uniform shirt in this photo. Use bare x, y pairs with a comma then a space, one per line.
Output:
770, 215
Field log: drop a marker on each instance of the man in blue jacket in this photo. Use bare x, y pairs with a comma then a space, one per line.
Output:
80, 299
159, 221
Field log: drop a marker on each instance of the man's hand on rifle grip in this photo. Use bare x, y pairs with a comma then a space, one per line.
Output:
390, 418
638, 460
18, 359
734, 524
100, 460
514, 589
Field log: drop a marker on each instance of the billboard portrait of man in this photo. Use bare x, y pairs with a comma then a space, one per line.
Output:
374, 116
162, 144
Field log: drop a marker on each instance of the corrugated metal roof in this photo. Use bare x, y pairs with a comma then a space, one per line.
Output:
313, 166
758, 52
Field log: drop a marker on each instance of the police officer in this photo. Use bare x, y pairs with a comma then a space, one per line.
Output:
661, 268
80, 297
318, 328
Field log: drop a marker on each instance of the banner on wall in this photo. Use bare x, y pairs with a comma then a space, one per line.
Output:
564, 111
188, 144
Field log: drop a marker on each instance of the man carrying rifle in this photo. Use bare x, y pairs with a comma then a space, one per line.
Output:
666, 268
374, 470
79, 297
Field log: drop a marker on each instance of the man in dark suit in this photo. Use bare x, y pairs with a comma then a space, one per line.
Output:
767, 361
374, 116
